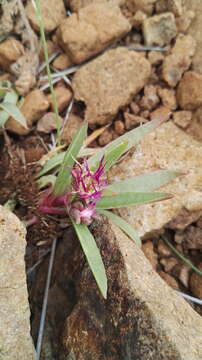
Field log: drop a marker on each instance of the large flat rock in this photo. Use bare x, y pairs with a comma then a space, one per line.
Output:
141, 319
15, 339
167, 148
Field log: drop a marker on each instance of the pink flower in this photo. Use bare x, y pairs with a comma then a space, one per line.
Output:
81, 214
51, 204
87, 184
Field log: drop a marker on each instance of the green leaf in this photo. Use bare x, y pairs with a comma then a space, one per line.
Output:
52, 163
11, 97
93, 256
46, 180
129, 199
144, 182
127, 228
113, 156
64, 176
132, 137
13, 111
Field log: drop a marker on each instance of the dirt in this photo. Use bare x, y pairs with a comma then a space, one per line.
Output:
155, 96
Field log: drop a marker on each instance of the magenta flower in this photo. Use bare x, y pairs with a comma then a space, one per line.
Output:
80, 200
82, 214
87, 184
51, 204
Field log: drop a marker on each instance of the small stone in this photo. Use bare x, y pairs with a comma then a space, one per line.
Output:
179, 237
184, 275
119, 127
193, 238
105, 137
182, 118
84, 34
33, 108
62, 62
134, 108
145, 6
195, 283
48, 123
183, 22
170, 280
163, 250
148, 250
63, 98
168, 263
161, 112
150, 99
168, 98
53, 12
105, 86
186, 217
155, 57
133, 120
189, 92
176, 7
179, 61
159, 29
71, 127
10, 50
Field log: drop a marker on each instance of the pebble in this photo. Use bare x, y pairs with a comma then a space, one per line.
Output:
170, 280
148, 250
33, 108
119, 127
48, 123
53, 13
63, 98
182, 118
195, 283
71, 127
10, 50
62, 62
168, 98
159, 29
189, 91
161, 112
175, 64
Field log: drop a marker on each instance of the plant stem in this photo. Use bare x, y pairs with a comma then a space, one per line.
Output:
45, 48
185, 260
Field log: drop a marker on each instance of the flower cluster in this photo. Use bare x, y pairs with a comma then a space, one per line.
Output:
80, 201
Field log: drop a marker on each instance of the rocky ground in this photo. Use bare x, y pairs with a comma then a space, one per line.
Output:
116, 64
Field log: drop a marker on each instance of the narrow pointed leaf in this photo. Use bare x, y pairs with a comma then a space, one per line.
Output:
129, 199
132, 137
127, 228
144, 182
12, 110
64, 176
113, 156
93, 256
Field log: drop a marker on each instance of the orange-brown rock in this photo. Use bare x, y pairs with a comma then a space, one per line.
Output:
159, 29
10, 50
105, 86
63, 98
189, 91
179, 60
71, 127
62, 62
33, 108
53, 12
90, 31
